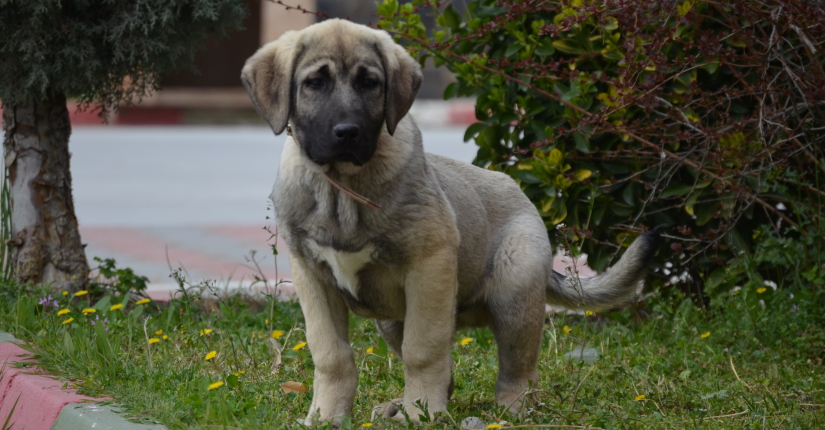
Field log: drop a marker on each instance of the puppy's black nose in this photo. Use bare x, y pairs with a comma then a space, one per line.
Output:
346, 132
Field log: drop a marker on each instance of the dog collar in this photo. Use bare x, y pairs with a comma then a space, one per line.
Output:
343, 188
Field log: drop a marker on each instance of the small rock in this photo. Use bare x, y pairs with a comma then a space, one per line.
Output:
472, 423
588, 355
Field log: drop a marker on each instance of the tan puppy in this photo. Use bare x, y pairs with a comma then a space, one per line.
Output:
451, 246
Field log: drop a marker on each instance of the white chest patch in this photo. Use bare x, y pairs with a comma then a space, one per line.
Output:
345, 265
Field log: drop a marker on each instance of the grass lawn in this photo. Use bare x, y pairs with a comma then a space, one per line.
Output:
198, 363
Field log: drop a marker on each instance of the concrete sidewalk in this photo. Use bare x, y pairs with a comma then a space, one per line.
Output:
196, 198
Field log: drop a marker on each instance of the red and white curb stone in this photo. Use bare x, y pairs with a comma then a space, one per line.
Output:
43, 404
427, 113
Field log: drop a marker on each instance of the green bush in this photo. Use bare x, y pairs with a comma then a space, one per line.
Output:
618, 116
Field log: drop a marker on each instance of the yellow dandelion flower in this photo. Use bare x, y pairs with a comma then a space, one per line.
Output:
567, 329
214, 385
242, 372
165, 337
639, 397
466, 341
65, 293
159, 332
68, 321
81, 293
588, 313
211, 355
299, 346
205, 331
153, 340
494, 426
266, 321
370, 350
761, 290
705, 334
366, 425
116, 307
62, 312
392, 355
276, 334
88, 311
142, 301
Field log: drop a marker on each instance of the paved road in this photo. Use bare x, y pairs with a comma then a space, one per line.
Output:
190, 197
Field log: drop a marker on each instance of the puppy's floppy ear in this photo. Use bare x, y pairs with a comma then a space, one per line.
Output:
267, 77
402, 81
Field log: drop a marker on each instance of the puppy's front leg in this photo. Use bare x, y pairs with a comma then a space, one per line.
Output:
326, 315
430, 292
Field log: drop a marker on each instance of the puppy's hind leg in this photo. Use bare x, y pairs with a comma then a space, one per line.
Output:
517, 303
393, 333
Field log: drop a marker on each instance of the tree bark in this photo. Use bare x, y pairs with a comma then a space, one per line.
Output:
46, 247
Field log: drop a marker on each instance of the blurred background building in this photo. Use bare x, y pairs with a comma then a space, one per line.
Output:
212, 94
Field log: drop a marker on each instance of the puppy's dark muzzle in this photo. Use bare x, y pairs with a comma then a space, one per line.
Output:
348, 145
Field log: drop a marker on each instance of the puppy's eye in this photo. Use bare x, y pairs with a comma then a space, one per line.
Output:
369, 83
314, 83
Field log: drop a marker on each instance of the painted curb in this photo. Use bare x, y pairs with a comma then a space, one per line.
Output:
41, 399
77, 416
427, 113
8, 337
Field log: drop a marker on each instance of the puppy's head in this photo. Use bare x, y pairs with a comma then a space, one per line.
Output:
338, 83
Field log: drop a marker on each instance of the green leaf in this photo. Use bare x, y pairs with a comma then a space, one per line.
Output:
450, 18
545, 49
676, 190
540, 135
621, 210
704, 212
629, 194
615, 167
582, 142
525, 176
583, 174
568, 46
512, 49
711, 67
473, 130
451, 91
104, 303
561, 211
232, 381
598, 214
388, 7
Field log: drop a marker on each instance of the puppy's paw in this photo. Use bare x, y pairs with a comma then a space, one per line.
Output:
388, 410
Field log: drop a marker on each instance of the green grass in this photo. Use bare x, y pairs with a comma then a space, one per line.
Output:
758, 368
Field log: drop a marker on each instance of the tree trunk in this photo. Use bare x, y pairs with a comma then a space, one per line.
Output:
46, 246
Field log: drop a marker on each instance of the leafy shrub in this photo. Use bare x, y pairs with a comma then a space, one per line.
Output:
617, 116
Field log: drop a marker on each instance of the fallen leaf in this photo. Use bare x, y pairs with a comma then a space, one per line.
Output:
294, 387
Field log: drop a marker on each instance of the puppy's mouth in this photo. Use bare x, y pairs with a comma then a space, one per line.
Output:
342, 158
350, 158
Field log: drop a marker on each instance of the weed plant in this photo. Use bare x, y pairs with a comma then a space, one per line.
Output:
213, 360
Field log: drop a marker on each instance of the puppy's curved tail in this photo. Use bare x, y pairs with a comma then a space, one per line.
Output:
610, 288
